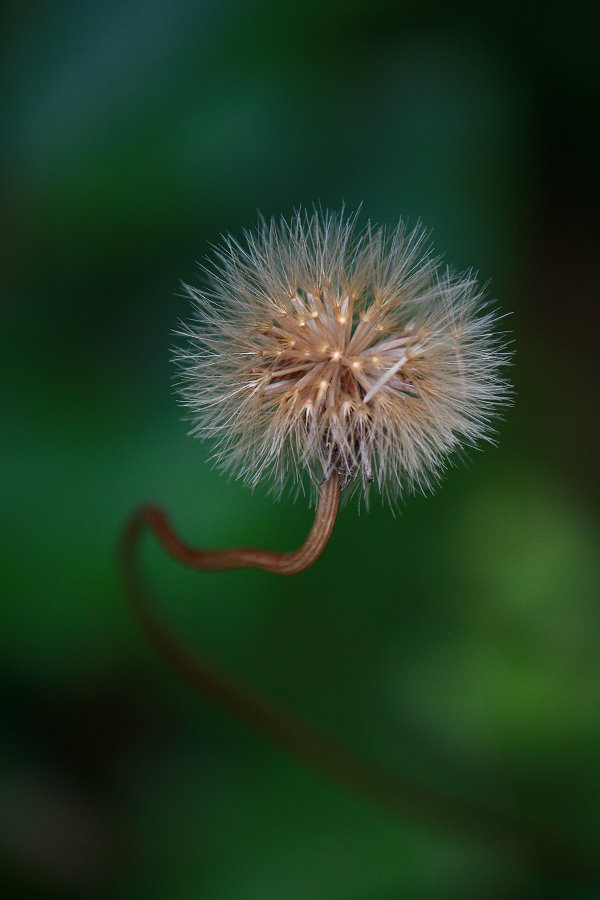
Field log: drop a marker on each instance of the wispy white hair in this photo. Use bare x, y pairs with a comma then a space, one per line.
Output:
315, 347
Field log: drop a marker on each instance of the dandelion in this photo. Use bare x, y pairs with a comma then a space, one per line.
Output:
314, 349
327, 359
321, 355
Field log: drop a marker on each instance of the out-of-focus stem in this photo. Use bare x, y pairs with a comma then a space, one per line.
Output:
525, 840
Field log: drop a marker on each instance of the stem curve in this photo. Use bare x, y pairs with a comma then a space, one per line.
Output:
545, 850
290, 563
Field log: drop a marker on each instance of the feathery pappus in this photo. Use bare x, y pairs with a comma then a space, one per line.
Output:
316, 348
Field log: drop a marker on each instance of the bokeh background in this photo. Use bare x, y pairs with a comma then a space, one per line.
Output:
456, 643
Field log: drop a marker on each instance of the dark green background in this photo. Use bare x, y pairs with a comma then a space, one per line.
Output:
457, 643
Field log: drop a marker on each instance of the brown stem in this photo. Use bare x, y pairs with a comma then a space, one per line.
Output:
241, 557
545, 850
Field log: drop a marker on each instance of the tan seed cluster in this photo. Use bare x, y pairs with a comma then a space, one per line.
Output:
316, 348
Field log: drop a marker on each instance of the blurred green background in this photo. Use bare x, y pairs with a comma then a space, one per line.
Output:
457, 643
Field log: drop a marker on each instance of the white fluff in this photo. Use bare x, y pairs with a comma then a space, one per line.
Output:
314, 348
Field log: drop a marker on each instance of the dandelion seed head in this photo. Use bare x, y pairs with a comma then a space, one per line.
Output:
315, 347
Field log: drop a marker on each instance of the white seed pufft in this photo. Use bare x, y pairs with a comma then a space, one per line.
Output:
316, 348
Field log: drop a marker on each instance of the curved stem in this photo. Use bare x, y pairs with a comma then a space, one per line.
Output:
545, 850
291, 563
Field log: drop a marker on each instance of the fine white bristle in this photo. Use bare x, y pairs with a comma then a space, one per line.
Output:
314, 348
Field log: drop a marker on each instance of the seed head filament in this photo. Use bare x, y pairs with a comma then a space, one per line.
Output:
320, 348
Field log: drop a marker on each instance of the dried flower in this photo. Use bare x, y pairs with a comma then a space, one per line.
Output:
315, 348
